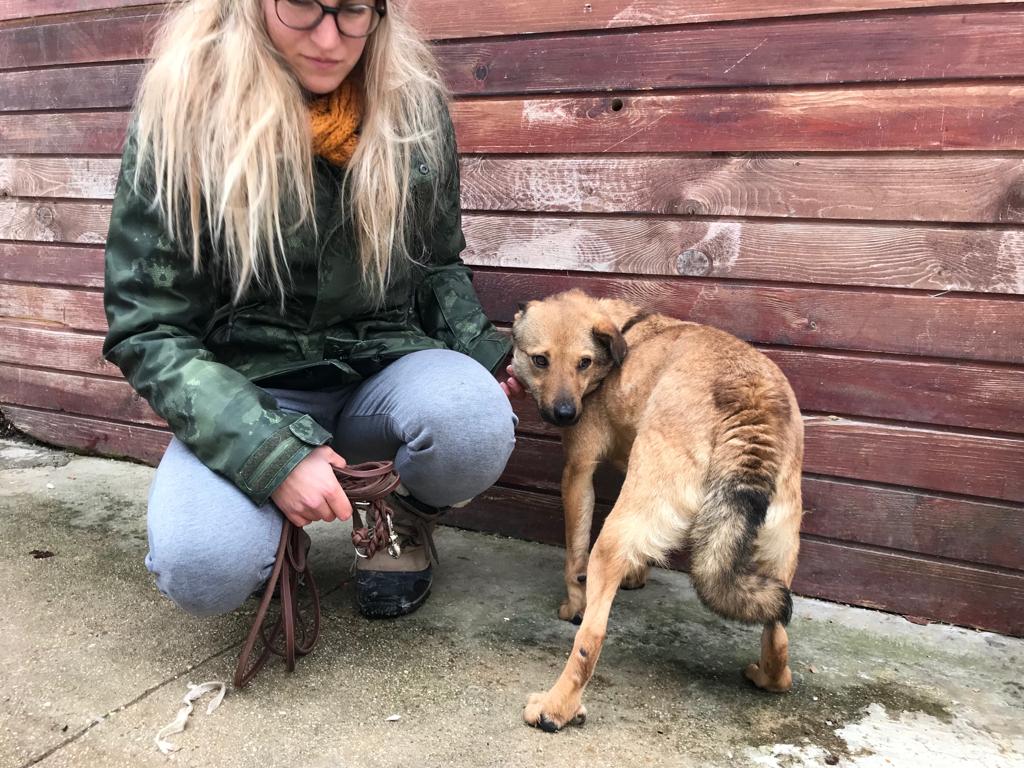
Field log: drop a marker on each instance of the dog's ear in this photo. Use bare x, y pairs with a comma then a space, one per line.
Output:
609, 337
520, 310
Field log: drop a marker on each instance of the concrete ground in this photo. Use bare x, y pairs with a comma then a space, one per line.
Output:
93, 661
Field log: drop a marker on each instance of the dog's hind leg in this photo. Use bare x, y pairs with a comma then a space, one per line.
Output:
772, 672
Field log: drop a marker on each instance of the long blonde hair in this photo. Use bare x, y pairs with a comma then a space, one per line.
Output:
223, 134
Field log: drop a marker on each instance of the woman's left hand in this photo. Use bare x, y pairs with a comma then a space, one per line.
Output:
513, 387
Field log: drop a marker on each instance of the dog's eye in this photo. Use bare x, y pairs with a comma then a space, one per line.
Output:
540, 361
584, 363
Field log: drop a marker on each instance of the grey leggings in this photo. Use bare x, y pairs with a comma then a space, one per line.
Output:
438, 414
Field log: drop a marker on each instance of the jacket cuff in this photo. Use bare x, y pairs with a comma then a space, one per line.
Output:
491, 350
278, 455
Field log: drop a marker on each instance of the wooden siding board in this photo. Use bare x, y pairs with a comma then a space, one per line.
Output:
950, 326
929, 187
942, 45
924, 186
925, 258
913, 117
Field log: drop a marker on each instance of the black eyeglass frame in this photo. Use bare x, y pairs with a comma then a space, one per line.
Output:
380, 7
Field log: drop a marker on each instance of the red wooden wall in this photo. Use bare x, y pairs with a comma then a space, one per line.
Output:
840, 182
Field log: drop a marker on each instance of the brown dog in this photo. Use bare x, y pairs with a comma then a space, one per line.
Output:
709, 435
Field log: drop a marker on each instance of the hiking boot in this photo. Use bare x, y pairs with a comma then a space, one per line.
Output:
396, 580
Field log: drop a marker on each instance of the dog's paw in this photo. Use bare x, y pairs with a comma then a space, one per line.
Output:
758, 677
572, 611
541, 714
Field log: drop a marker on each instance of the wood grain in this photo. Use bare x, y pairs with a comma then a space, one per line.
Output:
928, 258
64, 351
951, 187
441, 19
913, 117
74, 133
52, 221
34, 9
91, 87
51, 264
79, 395
959, 327
92, 436
54, 308
69, 177
940, 45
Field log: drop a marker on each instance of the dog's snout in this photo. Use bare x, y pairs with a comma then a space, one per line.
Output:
565, 412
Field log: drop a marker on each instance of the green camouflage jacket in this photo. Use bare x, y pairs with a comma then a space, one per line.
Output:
198, 360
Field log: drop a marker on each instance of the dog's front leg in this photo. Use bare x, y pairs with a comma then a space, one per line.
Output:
563, 703
578, 502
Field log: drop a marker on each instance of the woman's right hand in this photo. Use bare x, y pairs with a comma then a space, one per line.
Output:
312, 492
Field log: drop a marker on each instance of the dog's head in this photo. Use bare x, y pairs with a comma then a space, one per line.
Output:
565, 346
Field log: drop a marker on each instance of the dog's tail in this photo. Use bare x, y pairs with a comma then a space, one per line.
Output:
744, 469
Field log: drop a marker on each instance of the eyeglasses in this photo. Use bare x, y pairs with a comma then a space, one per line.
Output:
353, 19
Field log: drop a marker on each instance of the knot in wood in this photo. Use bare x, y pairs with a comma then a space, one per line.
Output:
693, 263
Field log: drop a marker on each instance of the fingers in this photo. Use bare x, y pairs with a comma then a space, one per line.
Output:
334, 459
338, 503
297, 520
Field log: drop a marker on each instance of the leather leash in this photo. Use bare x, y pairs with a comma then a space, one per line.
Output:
292, 630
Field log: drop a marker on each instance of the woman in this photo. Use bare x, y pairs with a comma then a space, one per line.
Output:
283, 285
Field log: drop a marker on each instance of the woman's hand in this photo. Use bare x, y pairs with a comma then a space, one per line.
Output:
513, 387
312, 492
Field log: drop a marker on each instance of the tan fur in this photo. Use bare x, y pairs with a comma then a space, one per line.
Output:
711, 433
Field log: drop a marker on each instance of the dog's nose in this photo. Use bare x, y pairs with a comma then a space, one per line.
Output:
565, 413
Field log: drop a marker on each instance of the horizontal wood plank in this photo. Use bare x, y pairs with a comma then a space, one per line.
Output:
950, 187
914, 586
92, 87
36, 9
70, 177
956, 394
928, 258
914, 117
51, 264
78, 41
54, 308
944, 394
66, 351
54, 221
926, 459
915, 324
441, 19
74, 133
958, 529
93, 436
941, 45
891, 581
79, 395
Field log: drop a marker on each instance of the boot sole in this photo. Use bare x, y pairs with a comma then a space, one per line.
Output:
376, 596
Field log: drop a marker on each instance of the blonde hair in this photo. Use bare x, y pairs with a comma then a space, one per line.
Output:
223, 136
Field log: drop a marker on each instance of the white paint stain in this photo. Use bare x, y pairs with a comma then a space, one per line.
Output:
571, 248
1010, 262
721, 243
879, 740
541, 111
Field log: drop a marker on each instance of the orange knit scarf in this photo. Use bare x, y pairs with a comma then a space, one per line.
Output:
335, 119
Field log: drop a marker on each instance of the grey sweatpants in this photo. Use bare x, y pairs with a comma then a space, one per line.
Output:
438, 414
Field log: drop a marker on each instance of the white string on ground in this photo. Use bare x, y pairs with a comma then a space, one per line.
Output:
194, 692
